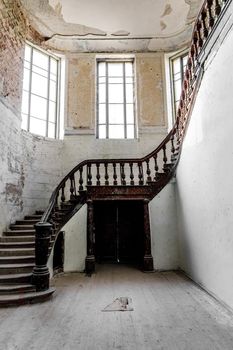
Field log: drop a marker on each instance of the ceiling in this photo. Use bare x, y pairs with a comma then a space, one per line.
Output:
113, 25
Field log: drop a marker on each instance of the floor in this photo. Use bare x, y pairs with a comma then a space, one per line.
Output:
170, 313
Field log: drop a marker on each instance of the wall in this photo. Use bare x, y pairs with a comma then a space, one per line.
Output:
204, 179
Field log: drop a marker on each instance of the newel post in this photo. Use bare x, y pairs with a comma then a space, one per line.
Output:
40, 274
90, 258
148, 264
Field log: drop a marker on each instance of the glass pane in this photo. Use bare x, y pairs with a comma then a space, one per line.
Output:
51, 130
130, 113
184, 62
39, 85
129, 93
102, 131
129, 69
115, 93
53, 66
102, 93
116, 114
176, 65
40, 71
24, 108
27, 53
116, 131
130, 131
37, 126
129, 80
102, 80
115, 80
38, 107
24, 124
53, 90
26, 75
102, 68
26, 65
52, 111
102, 114
40, 59
115, 69
53, 77
177, 87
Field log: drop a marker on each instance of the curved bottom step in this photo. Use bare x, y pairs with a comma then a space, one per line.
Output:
25, 298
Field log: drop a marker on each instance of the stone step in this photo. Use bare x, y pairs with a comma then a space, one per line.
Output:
27, 222
39, 212
6, 289
17, 239
19, 232
25, 298
13, 260
33, 217
6, 269
21, 227
16, 278
9, 251
16, 245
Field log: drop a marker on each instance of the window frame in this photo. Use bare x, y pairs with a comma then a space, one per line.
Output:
56, 122
123, 60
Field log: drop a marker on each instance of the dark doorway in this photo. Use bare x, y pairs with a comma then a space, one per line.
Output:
58, 254
119, 231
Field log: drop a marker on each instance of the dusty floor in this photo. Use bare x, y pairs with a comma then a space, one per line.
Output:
170, 312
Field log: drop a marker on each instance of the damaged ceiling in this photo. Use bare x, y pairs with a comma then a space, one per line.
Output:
113, 25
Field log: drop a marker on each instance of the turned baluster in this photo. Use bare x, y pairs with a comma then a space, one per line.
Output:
172, 147
106, 174
156, 167
140, 173
217, 7
164, 156
195, 42
148, 172
210, 14
199, 30
72, 187
89, 175
204, 27
97, 174
81, 179
63, 198
114, 175
122, 169
131, 174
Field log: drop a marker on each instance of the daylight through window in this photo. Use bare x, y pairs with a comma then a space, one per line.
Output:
178, 70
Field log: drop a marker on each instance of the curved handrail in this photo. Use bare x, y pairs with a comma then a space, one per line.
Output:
206, 20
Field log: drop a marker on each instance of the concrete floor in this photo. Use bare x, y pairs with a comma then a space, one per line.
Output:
170, 312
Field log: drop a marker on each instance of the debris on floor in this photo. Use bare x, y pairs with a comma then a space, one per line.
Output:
120, 304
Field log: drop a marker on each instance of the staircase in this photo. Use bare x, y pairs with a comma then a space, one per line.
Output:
25, 248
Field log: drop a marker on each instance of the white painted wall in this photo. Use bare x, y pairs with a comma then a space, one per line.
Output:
164, 234
205, 180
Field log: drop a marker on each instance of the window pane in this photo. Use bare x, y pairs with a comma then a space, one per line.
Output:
176, 65
39, 85
116, 131
116, 114
52, 111
27, 53
24, 124
53, 91
129, 80
102, 80
37, 126
102, 131
40, 71
40, 59
38, 107
102, 114
130, 113
26, 75
102, 68
128, 69
115, 69
26, 65
25, 102
115, 80
51, 130
102, 93
53, 66
129, 93
177, 87
115, 93
130, 131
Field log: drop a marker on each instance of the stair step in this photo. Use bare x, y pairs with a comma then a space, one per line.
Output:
17, 259
27, 222
18, 239
33, 217
39, 212
6, 251
21, 227
6, 289
12, 245
19, 232
19, 299
16, 278
6, 269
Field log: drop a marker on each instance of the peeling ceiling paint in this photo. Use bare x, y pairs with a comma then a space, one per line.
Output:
113, 25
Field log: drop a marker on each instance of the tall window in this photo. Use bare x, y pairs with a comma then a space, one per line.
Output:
115, 100
40, 107
178, 65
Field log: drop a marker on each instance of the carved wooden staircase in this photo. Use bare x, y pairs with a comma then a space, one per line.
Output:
25, 248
